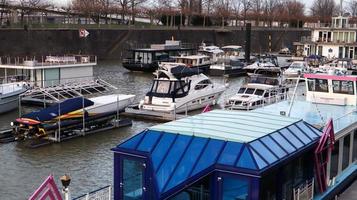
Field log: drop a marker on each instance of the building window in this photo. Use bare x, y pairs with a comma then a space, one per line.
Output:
346, 151
334, 160
318, 85
234, 189
343, 87
132, 180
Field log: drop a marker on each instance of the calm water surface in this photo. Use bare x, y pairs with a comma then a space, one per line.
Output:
88, 160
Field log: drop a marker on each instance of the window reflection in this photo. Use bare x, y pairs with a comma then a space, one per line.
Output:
234, 189
132, 180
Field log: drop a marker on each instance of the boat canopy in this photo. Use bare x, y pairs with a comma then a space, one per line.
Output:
183, 151
56, 110
182, 71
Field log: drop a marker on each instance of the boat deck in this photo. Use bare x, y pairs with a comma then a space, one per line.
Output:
343, 181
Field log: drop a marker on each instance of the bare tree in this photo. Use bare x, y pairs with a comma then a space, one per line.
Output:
352, 8
2, 10
294, 12
257, 10
246, 6
324, 10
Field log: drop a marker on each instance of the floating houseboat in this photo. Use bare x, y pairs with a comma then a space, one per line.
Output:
201, 62
296, 69
148, 59
213, 52
287, 150
53, 78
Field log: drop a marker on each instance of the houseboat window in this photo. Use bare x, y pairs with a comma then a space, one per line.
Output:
259, 92
250, 91
202, 84
241, 90
318, 85
334, 160
355, 146
346, 151
234, 189
343, 87
132, 180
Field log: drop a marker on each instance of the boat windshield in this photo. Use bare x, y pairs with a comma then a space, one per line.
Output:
296, 66
169, 88
250, 91
241, 90
259, 92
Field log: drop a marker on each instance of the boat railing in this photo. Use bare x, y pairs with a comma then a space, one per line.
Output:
104, 193
50, 60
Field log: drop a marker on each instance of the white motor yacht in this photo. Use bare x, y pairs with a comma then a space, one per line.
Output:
177, 88
257, 93
264, 65
296, 69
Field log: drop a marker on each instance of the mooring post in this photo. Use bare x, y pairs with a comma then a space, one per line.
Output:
59, 120
248, 31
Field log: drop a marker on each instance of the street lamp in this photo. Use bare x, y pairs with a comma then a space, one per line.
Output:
66, 180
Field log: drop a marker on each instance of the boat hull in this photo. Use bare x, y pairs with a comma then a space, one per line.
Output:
188, 104
228, 72
10, 101
140, 67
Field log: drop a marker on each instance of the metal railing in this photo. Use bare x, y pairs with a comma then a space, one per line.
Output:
104, 193
305, 191
48, 60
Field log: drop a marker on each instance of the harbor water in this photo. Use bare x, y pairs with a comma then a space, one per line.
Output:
88, 160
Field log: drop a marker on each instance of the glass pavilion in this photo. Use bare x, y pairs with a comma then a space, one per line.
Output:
220, 154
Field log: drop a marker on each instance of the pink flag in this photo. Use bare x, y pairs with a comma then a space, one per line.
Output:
207, 108
47, 190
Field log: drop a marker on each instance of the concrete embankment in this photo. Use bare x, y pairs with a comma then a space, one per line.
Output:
113, 43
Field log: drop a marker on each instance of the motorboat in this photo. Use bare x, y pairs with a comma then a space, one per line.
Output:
230, 67
266, 65
9, 96
257, 93
296, 68
71, 113
178, 88
201, 62
148, 59
212, 51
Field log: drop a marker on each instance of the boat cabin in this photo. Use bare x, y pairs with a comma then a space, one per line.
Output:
331, 89
47, 71
232, 50
221, 155
159, 52
194, 60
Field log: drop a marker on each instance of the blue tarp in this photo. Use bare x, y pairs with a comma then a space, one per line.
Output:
62, 108
177, 157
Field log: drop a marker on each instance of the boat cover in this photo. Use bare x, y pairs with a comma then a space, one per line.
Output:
181, 71
62, 108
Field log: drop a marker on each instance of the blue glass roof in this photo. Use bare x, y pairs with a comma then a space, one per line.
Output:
184, 149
